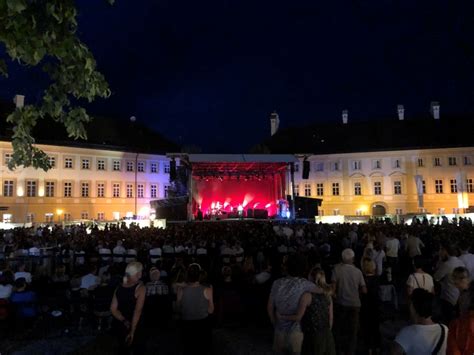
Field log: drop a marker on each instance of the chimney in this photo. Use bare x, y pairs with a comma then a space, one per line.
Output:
401, 112
274, 122
19, 101
435, 109
345, 116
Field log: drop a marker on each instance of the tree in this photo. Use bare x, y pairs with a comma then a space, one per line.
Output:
43, 32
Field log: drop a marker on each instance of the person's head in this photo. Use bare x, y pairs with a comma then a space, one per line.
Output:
193, 273
318, 276
20, 284
347, 256
446, 250
421, 305
461, 278
296, 265
21, 267
419, 262
368, 266
133, 272
464, 246
93, 269
226, 272
155, 274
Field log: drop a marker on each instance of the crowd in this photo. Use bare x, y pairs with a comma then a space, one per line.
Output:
325, 288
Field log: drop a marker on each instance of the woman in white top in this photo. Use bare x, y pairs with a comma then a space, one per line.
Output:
419, 279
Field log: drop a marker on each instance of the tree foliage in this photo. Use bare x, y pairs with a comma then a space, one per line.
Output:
43, 32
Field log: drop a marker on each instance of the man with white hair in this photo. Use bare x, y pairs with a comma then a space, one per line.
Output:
347, 282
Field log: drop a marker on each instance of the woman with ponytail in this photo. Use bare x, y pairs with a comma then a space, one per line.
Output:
126, 308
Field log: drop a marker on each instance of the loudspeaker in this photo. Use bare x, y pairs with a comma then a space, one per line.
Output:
260, 214
306, 168
306, 207
172, 170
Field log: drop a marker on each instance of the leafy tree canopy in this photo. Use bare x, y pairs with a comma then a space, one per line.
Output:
43, 32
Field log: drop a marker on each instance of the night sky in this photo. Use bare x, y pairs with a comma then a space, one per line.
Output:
210, 73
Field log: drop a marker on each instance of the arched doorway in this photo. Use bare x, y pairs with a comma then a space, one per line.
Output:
379, 209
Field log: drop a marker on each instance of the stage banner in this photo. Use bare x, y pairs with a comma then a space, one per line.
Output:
463, 198
419, 189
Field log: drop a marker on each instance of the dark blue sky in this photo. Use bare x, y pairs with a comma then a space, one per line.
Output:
211, 72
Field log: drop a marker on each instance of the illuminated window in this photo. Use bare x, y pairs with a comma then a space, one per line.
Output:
67, 217
335, 212
397, 187
320, 189
100, 189
439, 186
456, 210
100, 164
140, 190
469, 186
357, 189
452, 161
49, 188
167, 168
153, 191
7, 157
129, 190
307, 190
441, 210
7, 218
437, 162
30, 188
377, 188
52, 162
421, 163
8, 187
68, 189
49, 217
453, 185
116, 165
467, 160
100, 216
30, 218
398, 211
84, 215
141, 166
85, 189
86, 164
68, 163
153, 168
116, 190
129, 166
335, 189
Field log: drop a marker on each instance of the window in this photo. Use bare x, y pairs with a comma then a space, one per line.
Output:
307, 190
377, 188
356, 165
335, 189
377, 164
30, 217
8, 186
68, 189
116, 165
437, 162
456, 210
420, 162
49, 188
85, 189
398, 211
30, 188
335, 166
100, 216
359, 212
84, 215
335, 212
167, 191
167, 168
153, 191
67, 217
141, 166
140, 190
467, 160
154, 168
319, 167
49, 217
100, 164
129, 190
357, 189
396, 164
86, 164
297, 167
439, 186
7, 218
52, 162
441, 210
68, 163
297, 190
452, 161
320, 189
397, 187
7, 157
129, 166
116, 190
423, 183
453, 185
100, 189
469, 186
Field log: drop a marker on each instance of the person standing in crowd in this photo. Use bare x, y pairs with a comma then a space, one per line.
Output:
462, 281
155, 287
419, 278
370, 308
119, 252
347, 282
378, 256
467, 257
284, 299
91, 280
22, 273
449, 293
424, 337
392, 246
126, 308
195, 304
413, 245
461, 332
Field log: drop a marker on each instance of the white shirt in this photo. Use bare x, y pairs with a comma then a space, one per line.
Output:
131, 255
449, 292
5, 291
34, 251
119, 250
104, 251
24, 274
377, 257
392, 246
468, 260
201, 251
421, 280
414, 245
155, 254
89, 281
421, 339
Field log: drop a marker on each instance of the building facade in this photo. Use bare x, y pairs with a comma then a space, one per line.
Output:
83, 183
398, 182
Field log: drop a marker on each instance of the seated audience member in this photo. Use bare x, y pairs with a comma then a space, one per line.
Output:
91, 280
155, 286
23, 300
22, 273
419, 278
424, 337
461, 332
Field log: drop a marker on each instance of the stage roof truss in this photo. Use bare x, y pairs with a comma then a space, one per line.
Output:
237, 169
